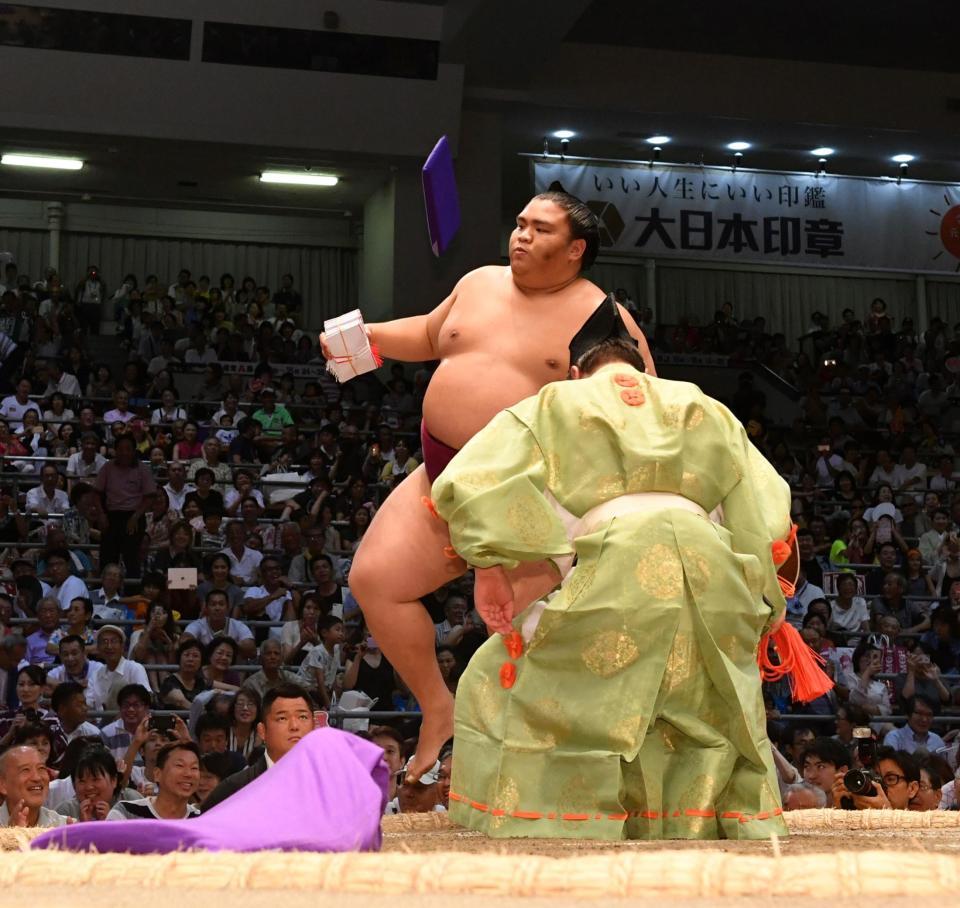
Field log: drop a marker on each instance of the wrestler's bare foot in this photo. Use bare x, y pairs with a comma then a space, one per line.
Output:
436, 730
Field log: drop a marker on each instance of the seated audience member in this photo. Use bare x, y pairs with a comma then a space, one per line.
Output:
177, 776
24, 784
74, 668
97, 784
107, 601
69, 702
28, 686
115, 672
177, 487
244, 717
287, 717
214, 622
133, 701
272, 671
324, 662
218, 657
48, 619
391, 741
916, 734
888, 563
217, 572
205, 495
934, 771
911, 615
821, 761
803, 796
275, 600
900, 781
848, 612
244, 561
78, 619
47, 498
214, 768
942, 641
298, 638
213, 733
180, 688
921, 677
867, 692
64, 586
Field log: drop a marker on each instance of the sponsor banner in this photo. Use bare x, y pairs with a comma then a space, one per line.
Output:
773, 218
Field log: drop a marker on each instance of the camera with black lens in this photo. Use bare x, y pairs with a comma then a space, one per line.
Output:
864, 780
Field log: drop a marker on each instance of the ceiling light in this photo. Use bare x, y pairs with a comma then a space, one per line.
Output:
564, 134
50, 162
903, 158
657, 140
822, 152
738, 146
298, 178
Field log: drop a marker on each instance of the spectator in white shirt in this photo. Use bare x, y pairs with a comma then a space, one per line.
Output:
931, 541
74, 668
274, 600
65, 587
215, 623
119, 413
913, 474
886, 471
177, 487
244, 561
69, 702
61, 381
848, 612
115, 672
88, 460
943, 481
169, 410
13, 407
46, 498
107, 606
133, 701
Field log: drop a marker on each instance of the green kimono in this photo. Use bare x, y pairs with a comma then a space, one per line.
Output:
636, 710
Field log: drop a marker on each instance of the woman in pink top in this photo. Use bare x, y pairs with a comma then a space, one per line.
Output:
127, 488
190, 448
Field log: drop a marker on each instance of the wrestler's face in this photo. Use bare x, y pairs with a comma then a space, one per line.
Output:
541, 241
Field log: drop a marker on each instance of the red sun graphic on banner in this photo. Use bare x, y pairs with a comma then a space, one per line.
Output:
949, 230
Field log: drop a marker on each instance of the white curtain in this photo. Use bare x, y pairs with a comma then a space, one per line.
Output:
325, 276
30, 250
611, 276
943, 299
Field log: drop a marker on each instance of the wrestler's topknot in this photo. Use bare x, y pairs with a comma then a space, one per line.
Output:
583, 222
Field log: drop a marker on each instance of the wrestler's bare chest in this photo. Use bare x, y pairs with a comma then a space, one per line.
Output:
530, 333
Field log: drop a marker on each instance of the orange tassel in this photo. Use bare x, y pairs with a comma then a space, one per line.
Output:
795, 661
514, 644
427, 502
508, 675
780, 551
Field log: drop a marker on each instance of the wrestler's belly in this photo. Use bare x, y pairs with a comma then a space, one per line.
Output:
468, 390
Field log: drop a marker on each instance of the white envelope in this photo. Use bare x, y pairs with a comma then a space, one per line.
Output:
348, 342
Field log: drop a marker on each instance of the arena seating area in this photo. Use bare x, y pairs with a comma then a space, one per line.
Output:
269, 473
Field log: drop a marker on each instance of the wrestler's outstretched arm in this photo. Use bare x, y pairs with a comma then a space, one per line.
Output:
410, 340
635, 332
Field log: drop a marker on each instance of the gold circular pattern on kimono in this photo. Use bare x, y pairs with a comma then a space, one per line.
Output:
506, 797
641, 479
610, 486
610, 652
483, 704
623, 735
546, 724
477, 479
700, 794
547, 397
660, 572
577, 796
689, 416
529, 522
690, 486
580, 581
697, 570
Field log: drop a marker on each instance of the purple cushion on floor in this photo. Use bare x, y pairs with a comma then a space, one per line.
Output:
327, 794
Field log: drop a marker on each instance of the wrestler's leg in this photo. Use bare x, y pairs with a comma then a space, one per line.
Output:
400, 560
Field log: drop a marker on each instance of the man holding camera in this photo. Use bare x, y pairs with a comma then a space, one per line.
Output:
893, 783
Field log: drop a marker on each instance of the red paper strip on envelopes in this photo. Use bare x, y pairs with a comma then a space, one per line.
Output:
440, 197
350, 350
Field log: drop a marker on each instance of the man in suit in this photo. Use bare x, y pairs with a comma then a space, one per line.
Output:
287, 717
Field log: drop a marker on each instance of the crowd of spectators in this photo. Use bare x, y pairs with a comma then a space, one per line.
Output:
177, 564
176, 561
